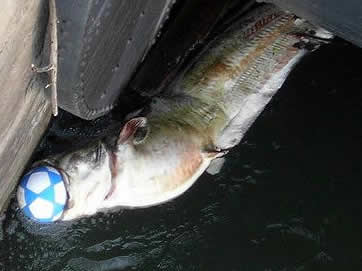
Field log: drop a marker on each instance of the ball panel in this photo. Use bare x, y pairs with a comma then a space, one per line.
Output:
39, 169
38, 182
48, 194
60, 193
55, 178
29, 196
28, 174
53, 170
41, 209
58, 209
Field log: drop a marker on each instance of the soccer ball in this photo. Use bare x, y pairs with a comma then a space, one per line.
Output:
41, 194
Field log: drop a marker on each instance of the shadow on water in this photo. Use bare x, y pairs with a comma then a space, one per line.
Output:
288, 197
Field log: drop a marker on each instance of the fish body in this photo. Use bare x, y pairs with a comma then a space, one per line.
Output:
160, 153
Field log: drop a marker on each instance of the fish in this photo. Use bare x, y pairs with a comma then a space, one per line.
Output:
160, 151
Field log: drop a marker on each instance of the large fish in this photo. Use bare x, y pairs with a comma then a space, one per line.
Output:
160, 153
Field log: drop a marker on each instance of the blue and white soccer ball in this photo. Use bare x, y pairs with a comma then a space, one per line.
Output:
41, 194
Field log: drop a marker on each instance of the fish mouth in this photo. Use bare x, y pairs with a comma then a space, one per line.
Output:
103, 158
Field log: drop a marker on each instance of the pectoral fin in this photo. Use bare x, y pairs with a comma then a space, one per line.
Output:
216, 166
217, 161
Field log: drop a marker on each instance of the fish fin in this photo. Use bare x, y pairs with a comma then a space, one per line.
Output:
216, 166
217, 160
233, 132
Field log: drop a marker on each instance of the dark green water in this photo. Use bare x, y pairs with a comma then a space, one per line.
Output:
288, 198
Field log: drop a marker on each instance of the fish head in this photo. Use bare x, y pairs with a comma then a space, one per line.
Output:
88, 173
87, 177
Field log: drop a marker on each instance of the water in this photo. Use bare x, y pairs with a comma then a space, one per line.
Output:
288, 197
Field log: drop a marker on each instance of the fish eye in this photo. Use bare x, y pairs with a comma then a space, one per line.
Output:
140, 135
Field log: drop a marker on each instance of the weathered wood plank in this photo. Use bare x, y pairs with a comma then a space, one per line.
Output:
24, 110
